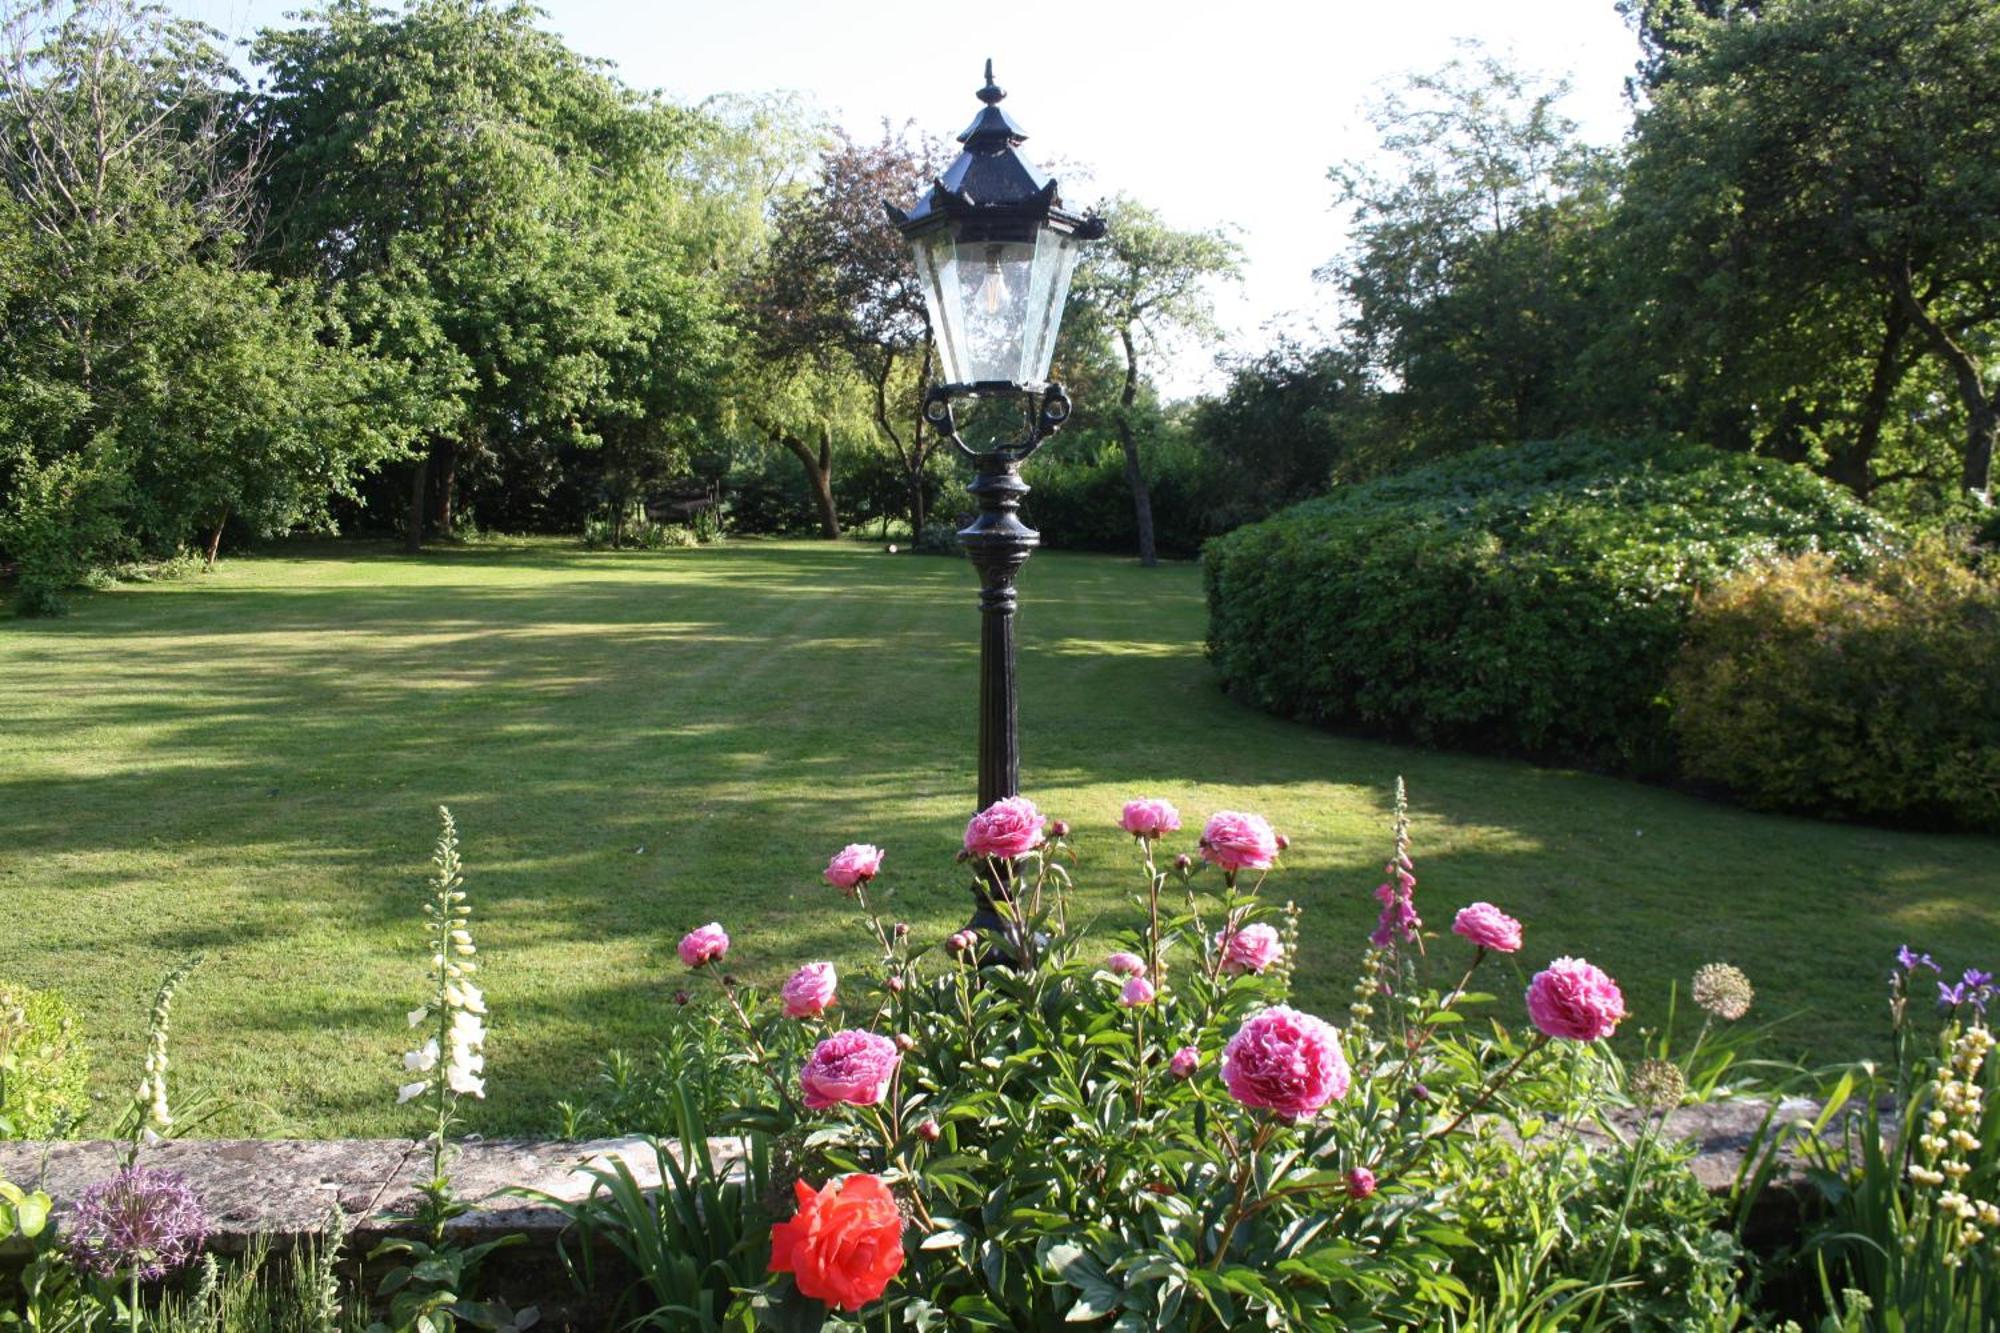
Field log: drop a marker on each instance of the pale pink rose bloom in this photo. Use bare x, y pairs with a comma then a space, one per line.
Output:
1488, 927
1138, 991
703, 946
1285, 1061
1251, 948
808, 991
1148, 818
1184, 1062
1571, 998
1007, 828
1125, 964
852, 1067
852, 865
1238, 841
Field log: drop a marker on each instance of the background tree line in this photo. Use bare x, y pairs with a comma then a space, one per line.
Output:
437, 271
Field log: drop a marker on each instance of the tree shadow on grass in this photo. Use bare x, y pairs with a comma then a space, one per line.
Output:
636, 744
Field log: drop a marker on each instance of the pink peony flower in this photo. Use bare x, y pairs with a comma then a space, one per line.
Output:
699, 948
852, 1067
1138, 992
1571, 998
1360, 1182
1285, 1061
1250, 948
1148, 818
1488, 927
1184, 1063
808, 991
1125, 964
1007, 828
1238, 842
853, 866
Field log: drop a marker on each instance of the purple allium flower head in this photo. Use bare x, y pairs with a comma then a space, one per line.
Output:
1910, 962
141, 1221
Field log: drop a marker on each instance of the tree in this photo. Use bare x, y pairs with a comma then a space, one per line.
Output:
837, 283
1850, 151
154, 385
1142, 286
483, 206
1468, 289
1281, 428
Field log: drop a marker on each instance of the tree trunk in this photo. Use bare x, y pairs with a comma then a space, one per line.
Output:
1142, 500
1982, 413
819, 471
413, 532
1854, 465
918, 516
447, 489
215, 540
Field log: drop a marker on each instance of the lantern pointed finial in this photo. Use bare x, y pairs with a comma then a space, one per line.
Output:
992, 92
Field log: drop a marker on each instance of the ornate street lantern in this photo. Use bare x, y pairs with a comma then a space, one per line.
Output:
995, 248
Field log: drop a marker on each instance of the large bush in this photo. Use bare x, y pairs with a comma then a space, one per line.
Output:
1529, 598
1875, 696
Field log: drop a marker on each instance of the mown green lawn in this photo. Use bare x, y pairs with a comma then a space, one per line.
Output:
246, 764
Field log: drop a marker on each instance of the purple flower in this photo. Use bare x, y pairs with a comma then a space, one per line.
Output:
1950, 997
1978, 980
142, 1221
1910, 962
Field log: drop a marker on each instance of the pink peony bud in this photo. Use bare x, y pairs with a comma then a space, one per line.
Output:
1285, 1061
902, 930
682, 997
1007, 828
1138, 991
1250, 948
1488, 927
895, 984
929, 1131
1184, 863
1237, 841
1571, 998
1360, 1182
853, 866
1149, 818
1284, 843
1059, 828
808, 991
1184, 1062
1125, 964
852, 1067
905, 1042
699, 948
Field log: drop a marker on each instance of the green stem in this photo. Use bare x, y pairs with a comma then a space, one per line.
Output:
134, 1311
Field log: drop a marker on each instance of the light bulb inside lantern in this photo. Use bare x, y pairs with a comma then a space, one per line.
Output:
993, 292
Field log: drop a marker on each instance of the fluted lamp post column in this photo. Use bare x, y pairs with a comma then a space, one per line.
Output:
994, 250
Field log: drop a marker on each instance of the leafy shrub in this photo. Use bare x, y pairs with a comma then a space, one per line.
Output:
59, 524
44, 1065
1875, 696
1086, 504
1528, 599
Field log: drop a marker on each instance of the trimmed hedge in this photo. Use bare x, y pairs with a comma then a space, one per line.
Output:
1528, 598
1873, 697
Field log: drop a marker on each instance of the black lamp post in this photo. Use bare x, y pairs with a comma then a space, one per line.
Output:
995, 249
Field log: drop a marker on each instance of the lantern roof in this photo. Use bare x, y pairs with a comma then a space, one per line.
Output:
990, 178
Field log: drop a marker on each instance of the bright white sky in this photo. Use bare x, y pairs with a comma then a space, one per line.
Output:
1214, 114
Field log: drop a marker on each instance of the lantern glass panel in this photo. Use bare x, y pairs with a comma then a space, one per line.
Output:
995, 305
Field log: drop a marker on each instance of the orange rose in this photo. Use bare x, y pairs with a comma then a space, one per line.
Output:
844, 1244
